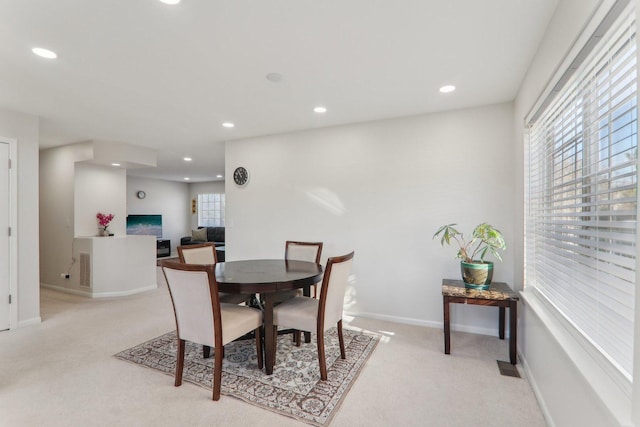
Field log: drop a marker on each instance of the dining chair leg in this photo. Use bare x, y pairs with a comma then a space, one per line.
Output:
217, 373
179, 362
341, 340
322, 360
297, 338
258, 335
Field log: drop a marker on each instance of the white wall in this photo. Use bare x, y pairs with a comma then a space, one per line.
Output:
99, 189
57, 217
119, 265
72, 191
571, 388
196, 188
24, 128
381, 189
168, 198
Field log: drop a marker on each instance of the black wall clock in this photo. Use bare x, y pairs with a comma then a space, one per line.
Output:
141, 194
240, 176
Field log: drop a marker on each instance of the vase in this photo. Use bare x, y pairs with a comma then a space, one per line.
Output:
104, 232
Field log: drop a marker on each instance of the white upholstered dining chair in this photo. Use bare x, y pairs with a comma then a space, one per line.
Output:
303, 251
300, 251
318, 315
201, 317
199, 253
205, 253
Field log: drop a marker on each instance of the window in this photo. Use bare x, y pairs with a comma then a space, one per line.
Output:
581, 197
211, 210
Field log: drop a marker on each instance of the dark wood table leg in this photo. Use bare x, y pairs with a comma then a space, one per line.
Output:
269, 345
306, 291
447, 331
501, 323
513, 331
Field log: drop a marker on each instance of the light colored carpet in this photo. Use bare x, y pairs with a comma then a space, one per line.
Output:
63, 373
294, 389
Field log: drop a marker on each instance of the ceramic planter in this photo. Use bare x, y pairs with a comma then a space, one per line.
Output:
477, 274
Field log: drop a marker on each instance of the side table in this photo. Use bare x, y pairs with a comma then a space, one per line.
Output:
498, 295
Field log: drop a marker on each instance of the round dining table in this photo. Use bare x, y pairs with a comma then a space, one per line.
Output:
267, 277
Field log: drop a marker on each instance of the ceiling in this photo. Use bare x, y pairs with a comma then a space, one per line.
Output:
166, 77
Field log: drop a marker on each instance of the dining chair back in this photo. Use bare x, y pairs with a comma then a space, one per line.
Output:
303, 251
318, 315
205, 253
201, 253
190, 288
202, 319
333, 290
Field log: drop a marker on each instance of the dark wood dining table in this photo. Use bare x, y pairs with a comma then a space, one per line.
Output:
267, 277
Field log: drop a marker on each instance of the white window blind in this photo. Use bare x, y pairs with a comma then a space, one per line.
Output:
581, 200
211, 210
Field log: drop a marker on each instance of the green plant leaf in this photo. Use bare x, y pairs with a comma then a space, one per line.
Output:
448, 232
484, 238
482, 253
496, 254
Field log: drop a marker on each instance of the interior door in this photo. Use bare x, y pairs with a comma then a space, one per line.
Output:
4, 236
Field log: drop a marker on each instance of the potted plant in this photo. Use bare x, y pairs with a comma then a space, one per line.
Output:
476, 272
104, 220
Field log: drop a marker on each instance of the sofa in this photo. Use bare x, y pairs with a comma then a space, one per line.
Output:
211, 234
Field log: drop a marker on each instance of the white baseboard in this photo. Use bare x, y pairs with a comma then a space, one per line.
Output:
536, 391
125, 293
395, 319
427, 323
66, 290
90, 294
29, 322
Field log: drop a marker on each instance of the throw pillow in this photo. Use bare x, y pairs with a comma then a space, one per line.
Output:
199, 235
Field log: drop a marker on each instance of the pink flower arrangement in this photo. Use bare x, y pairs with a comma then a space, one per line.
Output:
104, 220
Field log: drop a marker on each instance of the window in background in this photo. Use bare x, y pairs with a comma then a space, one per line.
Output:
581, 197
211, 210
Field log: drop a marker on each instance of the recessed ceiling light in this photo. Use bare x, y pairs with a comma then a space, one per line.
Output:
447, 88
115, 164
274, 77
45, 53
170, 1
187, 159
320, 109
228, 124
186, 178
218, 176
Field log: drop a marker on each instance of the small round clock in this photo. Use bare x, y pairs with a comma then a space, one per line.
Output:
240, 176
141, 194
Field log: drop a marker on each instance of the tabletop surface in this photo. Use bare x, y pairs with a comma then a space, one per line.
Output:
497, 291
267, 271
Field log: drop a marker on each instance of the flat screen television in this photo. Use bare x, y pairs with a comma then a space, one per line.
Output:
145, 225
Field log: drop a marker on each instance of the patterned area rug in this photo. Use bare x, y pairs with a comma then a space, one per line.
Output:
294, 389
